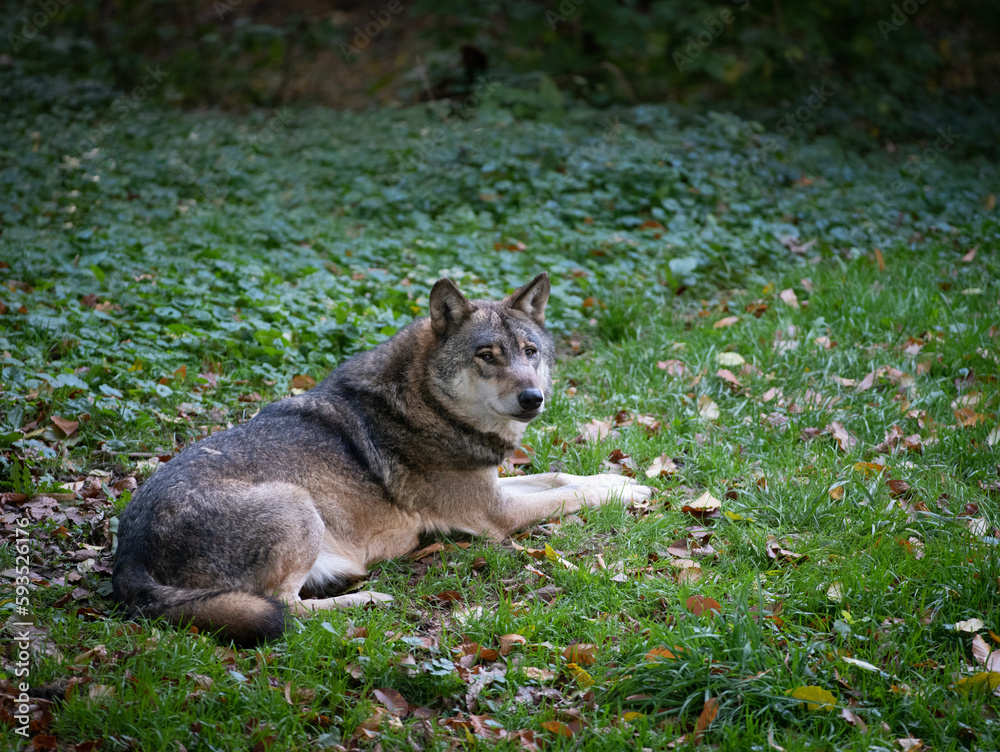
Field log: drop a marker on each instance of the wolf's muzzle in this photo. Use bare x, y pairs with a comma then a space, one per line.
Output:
530, 399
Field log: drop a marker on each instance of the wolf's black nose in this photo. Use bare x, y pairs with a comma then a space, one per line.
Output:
530, 399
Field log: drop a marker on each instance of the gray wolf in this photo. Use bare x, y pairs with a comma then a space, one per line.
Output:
400, 440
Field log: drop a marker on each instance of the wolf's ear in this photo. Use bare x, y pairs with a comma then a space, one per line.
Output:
531, 298
449, 307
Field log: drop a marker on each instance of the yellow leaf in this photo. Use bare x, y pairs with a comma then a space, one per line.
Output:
815, 698
983, 680
584, 679
553, 556
729, 359
870, 468
632, 716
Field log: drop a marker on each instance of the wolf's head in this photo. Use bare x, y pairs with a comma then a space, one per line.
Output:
492, 366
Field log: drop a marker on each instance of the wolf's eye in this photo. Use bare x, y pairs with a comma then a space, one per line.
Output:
530, 351
486, 356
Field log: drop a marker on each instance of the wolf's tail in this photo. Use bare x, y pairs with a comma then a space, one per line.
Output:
245, 618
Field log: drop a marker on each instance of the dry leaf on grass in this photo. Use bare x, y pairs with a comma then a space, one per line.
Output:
967, 417
700, 604
662, 467
704, 506
619, 463
582, 653
815, 698
988, 659
708, 713
969, 625
672, 367
508, 641
789, 298
68, 427
726, 375
707, 408
845, 441
775, 551
660, 654
854, 719
595, 430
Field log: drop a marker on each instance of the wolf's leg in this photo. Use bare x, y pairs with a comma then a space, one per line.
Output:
347, 600
527, 498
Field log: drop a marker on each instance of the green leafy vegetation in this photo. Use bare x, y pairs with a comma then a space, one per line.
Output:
797, 343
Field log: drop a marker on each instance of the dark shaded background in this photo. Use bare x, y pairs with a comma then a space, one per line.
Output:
898, 68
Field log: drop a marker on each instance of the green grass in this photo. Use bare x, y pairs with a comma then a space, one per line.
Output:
309, 259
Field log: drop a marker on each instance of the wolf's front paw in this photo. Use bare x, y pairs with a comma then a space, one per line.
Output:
600, 489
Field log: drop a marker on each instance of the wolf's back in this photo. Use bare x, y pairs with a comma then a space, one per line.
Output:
245, 618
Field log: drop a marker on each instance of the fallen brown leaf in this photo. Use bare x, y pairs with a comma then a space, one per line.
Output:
704, 505
68, 427
595, 430
660, 654
708, 713
662, 467
845, 441
672, 367
707, 408
700, 604
854, 719
393, 701
508, 641
726, 375
968, 417
789, 298
558, 727
581, 654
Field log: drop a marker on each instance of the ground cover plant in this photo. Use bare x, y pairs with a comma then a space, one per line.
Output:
797, 345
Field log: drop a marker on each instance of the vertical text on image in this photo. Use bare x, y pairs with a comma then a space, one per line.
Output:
20, 653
